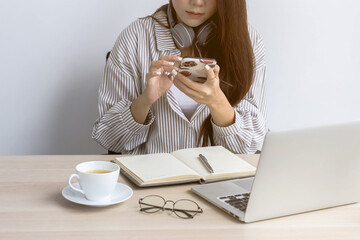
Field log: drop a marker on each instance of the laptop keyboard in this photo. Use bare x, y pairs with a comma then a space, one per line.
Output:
238, 201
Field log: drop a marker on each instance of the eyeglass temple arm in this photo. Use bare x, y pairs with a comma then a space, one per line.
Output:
197, 211
186, 212
175, 209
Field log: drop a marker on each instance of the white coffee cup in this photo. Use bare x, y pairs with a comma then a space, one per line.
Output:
96, 186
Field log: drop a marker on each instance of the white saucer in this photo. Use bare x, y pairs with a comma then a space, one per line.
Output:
121, 193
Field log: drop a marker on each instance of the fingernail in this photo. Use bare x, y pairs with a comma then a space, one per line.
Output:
158, 73
171, 63
167, 73
174, 73
207, 67
180, 58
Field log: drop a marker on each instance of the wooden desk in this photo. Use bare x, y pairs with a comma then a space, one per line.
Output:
32, 207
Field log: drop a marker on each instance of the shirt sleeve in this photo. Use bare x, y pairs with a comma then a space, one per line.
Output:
247, 134
116, 129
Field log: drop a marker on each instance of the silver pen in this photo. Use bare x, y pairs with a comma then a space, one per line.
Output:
206, 163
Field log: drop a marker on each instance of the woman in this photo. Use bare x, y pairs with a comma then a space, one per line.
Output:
144, 110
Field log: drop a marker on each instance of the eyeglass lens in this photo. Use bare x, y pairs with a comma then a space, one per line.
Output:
151, 204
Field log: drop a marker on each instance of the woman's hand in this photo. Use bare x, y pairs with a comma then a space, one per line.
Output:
210, 94
158, 80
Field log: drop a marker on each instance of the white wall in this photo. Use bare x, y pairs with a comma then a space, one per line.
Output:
52, 55
313, 60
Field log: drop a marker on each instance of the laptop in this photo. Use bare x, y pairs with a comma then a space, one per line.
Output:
298, 171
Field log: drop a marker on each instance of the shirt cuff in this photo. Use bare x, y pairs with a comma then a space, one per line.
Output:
229, 130
128, 120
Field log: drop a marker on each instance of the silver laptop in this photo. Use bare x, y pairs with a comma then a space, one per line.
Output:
298, 171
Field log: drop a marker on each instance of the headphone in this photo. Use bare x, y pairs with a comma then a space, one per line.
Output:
184, 35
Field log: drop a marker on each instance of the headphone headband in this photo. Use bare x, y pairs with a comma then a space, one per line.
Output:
184, 35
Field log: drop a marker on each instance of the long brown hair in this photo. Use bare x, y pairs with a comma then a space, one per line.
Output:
234, 54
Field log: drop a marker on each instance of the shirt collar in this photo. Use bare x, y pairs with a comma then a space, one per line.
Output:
164, 39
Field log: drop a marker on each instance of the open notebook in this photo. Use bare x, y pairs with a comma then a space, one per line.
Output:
183, 166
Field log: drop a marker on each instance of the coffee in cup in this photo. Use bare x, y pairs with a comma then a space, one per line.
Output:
97, 179
98, 171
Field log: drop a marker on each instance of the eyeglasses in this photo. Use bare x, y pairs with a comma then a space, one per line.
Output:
183, 208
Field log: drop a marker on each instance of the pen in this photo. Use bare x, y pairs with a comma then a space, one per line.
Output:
206, 163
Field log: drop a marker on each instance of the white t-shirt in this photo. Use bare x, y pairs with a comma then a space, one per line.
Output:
187, 104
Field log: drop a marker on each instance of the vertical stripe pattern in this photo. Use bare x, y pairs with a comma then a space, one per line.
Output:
167, 128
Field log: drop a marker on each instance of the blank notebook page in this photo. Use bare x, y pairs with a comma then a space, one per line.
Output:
156, 166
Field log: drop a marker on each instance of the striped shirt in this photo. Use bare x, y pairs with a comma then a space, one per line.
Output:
166, 128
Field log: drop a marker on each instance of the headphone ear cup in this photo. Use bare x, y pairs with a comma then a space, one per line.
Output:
183, 35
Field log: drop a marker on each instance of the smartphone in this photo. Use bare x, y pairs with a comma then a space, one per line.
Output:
194, 67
